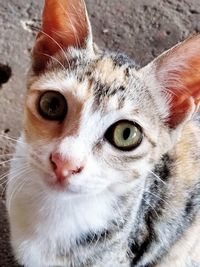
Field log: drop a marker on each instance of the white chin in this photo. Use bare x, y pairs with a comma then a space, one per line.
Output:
81, 190
71, 190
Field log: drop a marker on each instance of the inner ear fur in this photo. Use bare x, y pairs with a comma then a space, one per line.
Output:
178, 73
65, 24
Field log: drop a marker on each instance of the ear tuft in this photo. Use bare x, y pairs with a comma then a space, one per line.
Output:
64, 24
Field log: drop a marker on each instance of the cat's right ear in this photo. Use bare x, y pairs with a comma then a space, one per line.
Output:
65, 24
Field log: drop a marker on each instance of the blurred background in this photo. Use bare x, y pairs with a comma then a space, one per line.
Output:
140, 28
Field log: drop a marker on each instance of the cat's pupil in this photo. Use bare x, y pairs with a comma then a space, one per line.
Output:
126, 133
53, 104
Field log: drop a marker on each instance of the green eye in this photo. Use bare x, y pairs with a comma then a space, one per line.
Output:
124, 135
52, 106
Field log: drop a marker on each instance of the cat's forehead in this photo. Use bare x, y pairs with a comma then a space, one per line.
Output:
99, 78
98, 92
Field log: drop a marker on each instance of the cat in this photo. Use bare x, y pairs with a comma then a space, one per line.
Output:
106, 172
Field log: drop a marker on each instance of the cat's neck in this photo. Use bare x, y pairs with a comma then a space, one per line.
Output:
170, 201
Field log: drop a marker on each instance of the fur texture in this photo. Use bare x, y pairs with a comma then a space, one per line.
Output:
137, 208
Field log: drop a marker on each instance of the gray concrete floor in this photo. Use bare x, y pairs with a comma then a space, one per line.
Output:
140, 28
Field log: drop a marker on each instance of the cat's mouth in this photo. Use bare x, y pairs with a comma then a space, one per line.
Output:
51, 181
69, 187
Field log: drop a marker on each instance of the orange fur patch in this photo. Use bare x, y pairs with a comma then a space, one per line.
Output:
38, 128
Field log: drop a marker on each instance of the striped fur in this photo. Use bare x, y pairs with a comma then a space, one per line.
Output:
131, 209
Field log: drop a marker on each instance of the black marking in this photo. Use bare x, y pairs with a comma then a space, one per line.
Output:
139, 250
115, 226
88, 73
113, 92
121, 88
103, 90
163, 168
92, 238
122, 59
146, 265
189, 207
153, 211
127, 72
140, 247
100, 91
192, 204
121, 101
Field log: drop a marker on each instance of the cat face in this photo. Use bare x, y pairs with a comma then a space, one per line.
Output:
105, 129
93, 120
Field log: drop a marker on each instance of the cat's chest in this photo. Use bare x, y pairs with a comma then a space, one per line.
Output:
62, 218
58, 234
54, 227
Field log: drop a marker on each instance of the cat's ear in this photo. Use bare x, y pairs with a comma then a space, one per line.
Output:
65, 24
178, 73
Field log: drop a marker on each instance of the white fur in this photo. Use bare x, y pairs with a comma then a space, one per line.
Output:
41, 217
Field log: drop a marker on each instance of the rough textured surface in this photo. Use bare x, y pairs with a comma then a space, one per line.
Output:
140, 28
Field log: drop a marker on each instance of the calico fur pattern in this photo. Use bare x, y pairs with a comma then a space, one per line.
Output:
149, 219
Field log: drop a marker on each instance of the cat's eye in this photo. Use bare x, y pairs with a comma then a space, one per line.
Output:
124, 135
52, 106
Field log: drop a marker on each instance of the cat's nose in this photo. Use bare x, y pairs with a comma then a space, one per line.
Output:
63, 168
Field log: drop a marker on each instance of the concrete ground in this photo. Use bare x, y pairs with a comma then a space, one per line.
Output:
140, 28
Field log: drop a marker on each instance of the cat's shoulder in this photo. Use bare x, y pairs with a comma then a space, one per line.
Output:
186, 167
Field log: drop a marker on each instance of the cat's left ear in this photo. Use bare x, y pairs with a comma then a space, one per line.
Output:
65, 24
177, 73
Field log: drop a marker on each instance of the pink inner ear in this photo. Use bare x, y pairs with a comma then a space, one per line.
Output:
178, 71
64, 24
178, 111
181, 99
65, 21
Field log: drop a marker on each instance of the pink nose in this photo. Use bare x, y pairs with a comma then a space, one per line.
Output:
63, 168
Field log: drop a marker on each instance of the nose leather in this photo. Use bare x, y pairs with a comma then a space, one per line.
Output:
63, 168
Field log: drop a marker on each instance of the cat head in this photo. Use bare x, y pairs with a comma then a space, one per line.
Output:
94, 121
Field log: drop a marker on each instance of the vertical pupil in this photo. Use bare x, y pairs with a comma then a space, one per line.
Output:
126, 133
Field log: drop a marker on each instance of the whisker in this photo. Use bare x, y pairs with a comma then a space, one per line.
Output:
51, 38
164, 201
12, 139
15, 190
119, 213
6, 155
53, 58
72, 25
157, 196
156, 176
13, 177
7, 161
3, 175
151, 207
